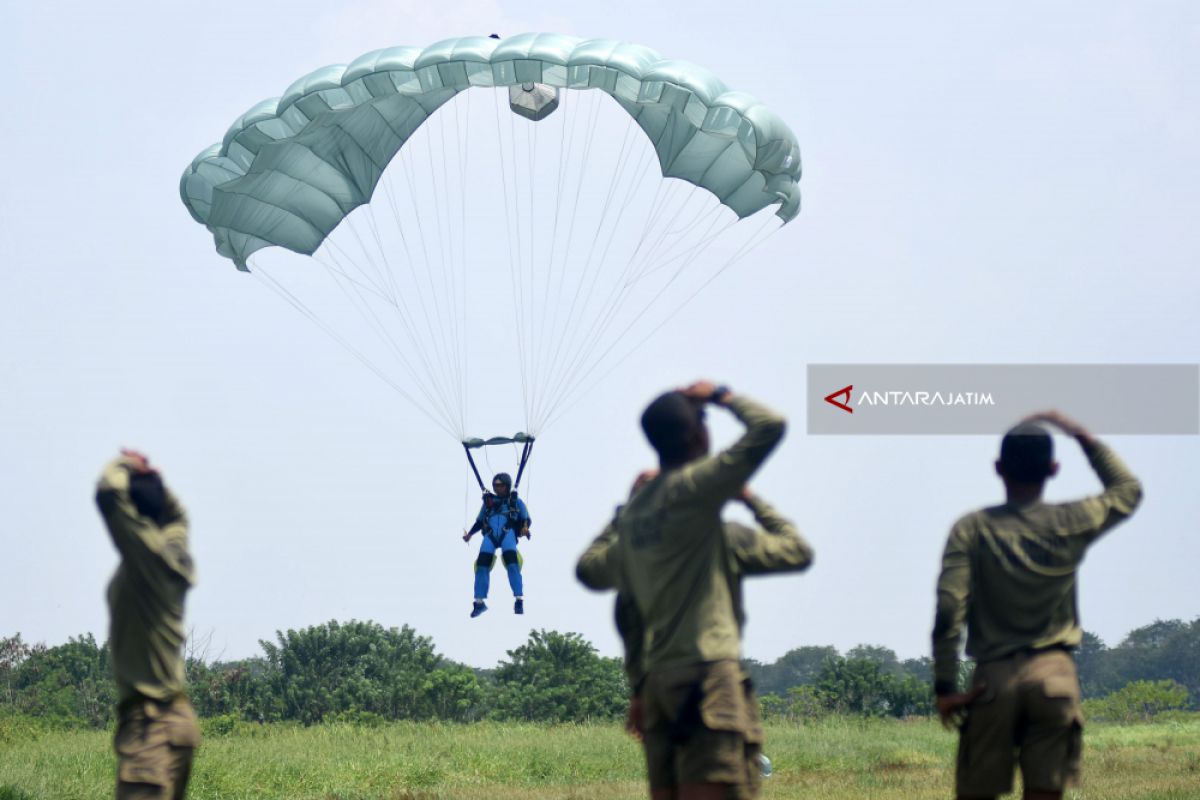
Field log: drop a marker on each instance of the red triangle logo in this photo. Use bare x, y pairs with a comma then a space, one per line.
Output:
843, 392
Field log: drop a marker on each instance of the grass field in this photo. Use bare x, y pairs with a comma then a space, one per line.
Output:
835, 758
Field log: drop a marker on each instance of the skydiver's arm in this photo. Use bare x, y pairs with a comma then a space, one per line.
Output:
523, 518
480, 521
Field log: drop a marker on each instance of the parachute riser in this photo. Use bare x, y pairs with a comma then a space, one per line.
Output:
471, 461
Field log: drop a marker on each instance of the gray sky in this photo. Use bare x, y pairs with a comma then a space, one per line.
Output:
1009, 185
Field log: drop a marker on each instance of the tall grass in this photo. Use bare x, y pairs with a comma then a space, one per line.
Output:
834, 758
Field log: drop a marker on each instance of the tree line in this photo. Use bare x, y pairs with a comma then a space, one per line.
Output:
362, 672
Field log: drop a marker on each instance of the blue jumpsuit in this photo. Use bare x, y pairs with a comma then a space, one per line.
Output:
500, 532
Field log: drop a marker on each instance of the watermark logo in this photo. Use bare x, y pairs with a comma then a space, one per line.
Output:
843, 392
910, 399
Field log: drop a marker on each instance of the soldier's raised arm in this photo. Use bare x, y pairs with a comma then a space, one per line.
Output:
1122, 493
776, 547
723, 475
143, 542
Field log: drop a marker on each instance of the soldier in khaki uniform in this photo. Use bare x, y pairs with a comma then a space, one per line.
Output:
774, 548
1008, 574
671, 546
157, 731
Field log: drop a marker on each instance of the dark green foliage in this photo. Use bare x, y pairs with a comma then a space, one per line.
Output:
362, 673
1139, 701
798, 667
866, 687
362, 667
237, 688
71, 682
1162, 650
559, 677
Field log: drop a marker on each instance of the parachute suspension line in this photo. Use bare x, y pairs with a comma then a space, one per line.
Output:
549, 310
446, 330
569, 336
524, 313
266, 279
513, 264
599, 325
464, 160
368, 314
563, 144
531, 311
585, 355
427, 284
752, 243
564, 372
449, 275
566, 257
404, 314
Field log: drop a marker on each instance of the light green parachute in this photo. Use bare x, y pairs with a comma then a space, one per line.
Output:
296, 170
291, 168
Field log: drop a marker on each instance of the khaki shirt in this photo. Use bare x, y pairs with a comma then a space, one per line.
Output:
776, 547
1008, 571
146, 594
673, 553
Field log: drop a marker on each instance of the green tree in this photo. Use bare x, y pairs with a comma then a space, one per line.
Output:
885, 657
72, 682
559, 677
355, 668
797, 667
854, 686
13, 653
1139, 701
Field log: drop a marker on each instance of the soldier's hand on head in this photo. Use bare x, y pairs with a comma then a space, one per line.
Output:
137, 461
700, 390
1062, 422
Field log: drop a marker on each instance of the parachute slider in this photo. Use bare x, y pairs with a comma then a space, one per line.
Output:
517, 438
533, 101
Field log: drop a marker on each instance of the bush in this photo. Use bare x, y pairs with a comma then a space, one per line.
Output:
1140, 701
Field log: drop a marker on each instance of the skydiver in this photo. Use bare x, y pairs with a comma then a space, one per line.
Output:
503, 519
1008, 577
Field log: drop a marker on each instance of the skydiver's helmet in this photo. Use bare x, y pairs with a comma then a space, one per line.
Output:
505, 479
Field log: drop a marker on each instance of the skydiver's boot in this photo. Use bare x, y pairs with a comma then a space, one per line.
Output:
519, 606
478, 608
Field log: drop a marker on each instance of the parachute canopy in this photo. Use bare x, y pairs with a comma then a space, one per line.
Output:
291, 168
611, 209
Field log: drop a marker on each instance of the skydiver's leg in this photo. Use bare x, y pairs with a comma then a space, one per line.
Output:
512, 563
483, 569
